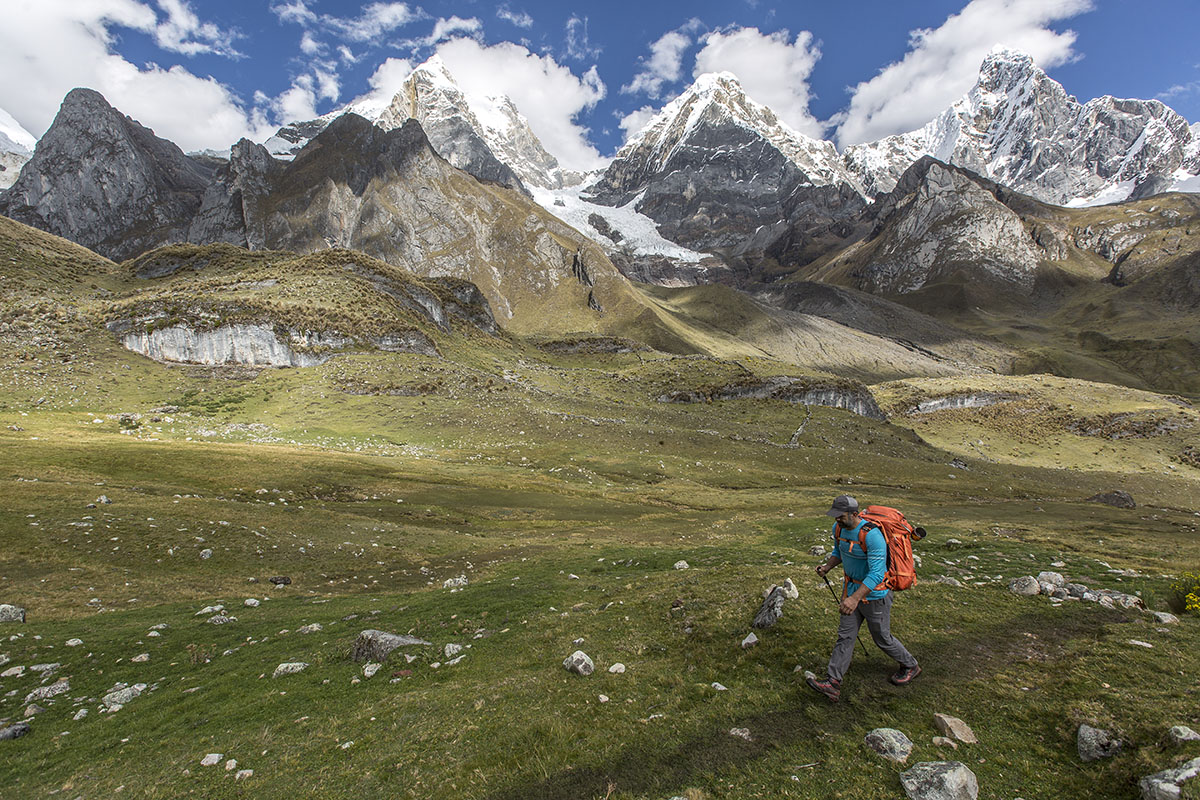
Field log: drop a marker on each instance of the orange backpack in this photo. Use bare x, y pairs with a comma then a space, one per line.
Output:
899, 534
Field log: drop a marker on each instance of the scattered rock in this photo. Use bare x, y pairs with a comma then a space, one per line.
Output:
1163, 618
280, 580
372, 645
121, 694
957, 584
73, 642
211, 760
617, 669
790, 591
142, 658
15, 731
251, 602
681, 565
741, 733
955, 728
289, 668
1165, 785
1182, 733
11, 613
312, 627
942, 741
13, 672
816, 550
890, 743
1095, 743
231, 765
206, 553
719, 687
455, 583
209, 610
1025, 586
1115, 498
1053, 578
772, 609
221, 619
80, 714
242, 774
46, 692
749, 641
603, 698
579, 663
451, 649
940, 780
32, 709
370, 668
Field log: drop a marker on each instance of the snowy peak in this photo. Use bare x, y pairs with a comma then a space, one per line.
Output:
16, 148
1019, 127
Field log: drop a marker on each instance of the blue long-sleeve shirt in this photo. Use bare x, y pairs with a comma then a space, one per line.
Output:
862, 568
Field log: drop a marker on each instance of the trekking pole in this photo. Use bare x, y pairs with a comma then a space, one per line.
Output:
835, 599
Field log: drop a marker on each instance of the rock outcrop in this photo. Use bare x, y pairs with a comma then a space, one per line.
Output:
100, 179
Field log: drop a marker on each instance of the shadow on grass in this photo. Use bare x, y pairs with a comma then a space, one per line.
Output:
957, 658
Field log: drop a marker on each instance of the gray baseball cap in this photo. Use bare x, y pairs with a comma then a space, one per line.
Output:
843, 504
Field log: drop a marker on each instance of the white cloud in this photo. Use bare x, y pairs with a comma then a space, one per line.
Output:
518, 18
56, 45
773, 70
375, 20
309, 45
634, 121
664, 66
579, 47
384, 82
183, 32
548, 94
295, 11
943, 63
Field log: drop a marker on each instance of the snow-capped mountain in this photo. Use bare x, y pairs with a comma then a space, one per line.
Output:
484, 135
16, 148
715, 169
1021, 128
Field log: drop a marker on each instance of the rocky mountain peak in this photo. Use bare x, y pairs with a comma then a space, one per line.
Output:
101, 179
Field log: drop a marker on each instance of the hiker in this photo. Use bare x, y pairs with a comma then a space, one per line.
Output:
860, 602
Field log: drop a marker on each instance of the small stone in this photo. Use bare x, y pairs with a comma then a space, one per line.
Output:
451, 650
73, 642
206, 553
771, 610
103, 500
940, 780
289, 668
242, 774
231, 765
1140, 643
370, 668
719, 687
141, 658
373, 645
579, 663
741, 733
220, 619
154, 634
681, 565
1182, 733
121, 694
13, 672
790, 591
617, 669
890, 743
1054, 578
749, 641
942, 741
80, 714
460, 582
33, 709
603, 698
1095, 743
1163, 618
955, 728
1116, 498
211, 760
209, 610
957, 584
251, 602
312, 627
816, 550
46, 692
280, 580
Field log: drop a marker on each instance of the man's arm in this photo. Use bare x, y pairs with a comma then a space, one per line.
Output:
828, 564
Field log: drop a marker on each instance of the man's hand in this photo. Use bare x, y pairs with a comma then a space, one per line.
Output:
823, 569
848, 604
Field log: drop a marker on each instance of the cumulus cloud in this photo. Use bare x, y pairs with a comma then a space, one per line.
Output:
772, 68
384, 82
444, 29
579, 47
549, 95
375, 21
634, 121
664, 66
518, 18
943, 63
56, 45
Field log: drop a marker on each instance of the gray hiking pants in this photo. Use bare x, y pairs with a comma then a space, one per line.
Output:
878, 616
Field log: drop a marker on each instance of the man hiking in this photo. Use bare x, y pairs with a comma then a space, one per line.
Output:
864, 597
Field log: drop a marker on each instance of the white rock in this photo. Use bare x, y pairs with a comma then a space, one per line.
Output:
455, 583
617, 669
1054, 578
749, 641
310, 628
681, 565
242, 774
940, 780
603, 698
289, 668
1168, 784
1163, 618
206, 553
579, 662
80, 714
209, 610
451, 650
816, 550
251, 602
211, 760
370, 668
1182, 733
74, 642
790, 591
1025, 586
231, 765
741, 733
1140, 643
890, 743
154, 634
719, 687
13, 672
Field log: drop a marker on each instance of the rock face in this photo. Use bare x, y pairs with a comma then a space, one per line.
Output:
940, 780
715, 170
1020, 128
373, 645
1165, 785
772, 609
102, 180
856, 399
1116, 498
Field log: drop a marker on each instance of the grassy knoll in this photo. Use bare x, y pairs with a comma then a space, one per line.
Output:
565, 491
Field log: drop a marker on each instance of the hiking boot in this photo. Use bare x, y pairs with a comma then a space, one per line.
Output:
905, 675
829, 687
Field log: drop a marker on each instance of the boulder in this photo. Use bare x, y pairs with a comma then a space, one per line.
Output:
1096, 743
15, 731
1053, 578
771, 610
1163, 618
312, 627
280, 580
121, 694
954, 728
890, 743
790, 591
11, 613
1182, 733
749, 641
1115, 498
372, 645
46, 692
289, 668
816, 550
940, 780
617, 669
1165, 785
579, 663
957, 584
681, 565
1025, 586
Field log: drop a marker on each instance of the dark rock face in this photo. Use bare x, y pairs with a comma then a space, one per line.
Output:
851, 396
373, 645
230, 208
1116, 498
102, 180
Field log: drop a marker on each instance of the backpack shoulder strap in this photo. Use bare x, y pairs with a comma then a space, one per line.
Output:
862, 532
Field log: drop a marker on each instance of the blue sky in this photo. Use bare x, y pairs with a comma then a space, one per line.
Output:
206, 72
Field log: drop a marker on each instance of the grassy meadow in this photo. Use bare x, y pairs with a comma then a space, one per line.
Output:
565, 492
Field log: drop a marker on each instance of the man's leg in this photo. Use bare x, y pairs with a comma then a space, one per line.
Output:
843, 648
878, 615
